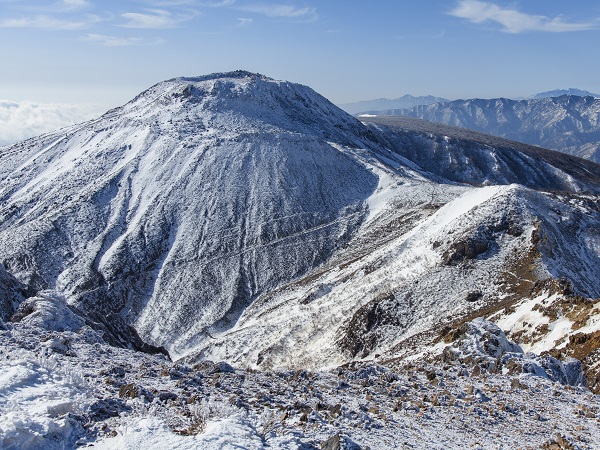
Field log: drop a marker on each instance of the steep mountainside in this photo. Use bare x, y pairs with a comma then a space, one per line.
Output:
569, 124
186, 203
406, 101
237, 217
472, 157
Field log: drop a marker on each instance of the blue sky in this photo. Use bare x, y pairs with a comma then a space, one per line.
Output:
105, 52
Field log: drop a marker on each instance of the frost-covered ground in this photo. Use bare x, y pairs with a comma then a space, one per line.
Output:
64, 389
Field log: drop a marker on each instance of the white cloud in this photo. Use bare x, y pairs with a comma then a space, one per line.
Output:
156, 19
46, 22
512, 20
22, 120
173, 2
216, 4
305, 13
69, 5
277, 10
244, 22
116, 41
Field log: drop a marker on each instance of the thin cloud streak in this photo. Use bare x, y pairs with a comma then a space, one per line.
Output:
282, 11
116, 41
216, 4
156, 19
72, 5
244, 22
47, 22
58, 7
512, 20
171, 3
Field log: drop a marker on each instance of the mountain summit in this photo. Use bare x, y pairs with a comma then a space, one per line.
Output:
173, 212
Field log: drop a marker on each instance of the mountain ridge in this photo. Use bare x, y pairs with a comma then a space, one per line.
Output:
567, 123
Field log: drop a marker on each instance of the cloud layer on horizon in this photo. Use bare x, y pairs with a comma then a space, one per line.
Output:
22, 120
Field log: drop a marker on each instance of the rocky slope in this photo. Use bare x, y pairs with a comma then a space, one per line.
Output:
567, 123
63, 387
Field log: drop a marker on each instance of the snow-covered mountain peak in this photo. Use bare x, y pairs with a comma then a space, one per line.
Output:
188, 202
245, 220
238, 102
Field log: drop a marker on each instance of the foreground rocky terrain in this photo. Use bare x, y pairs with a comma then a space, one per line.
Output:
68, 388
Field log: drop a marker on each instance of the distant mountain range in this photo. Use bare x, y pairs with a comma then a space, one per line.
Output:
569, 123
406, 101
561, 92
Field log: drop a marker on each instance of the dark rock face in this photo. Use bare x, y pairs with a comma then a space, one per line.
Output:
360, 335
468, 249
12, 294
474, 296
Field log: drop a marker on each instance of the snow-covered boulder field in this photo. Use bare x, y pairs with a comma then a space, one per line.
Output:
69, 389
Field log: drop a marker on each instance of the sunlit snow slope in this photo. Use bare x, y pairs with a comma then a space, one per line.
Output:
176, 210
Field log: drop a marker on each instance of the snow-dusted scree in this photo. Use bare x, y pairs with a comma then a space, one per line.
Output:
64, 389
336, 270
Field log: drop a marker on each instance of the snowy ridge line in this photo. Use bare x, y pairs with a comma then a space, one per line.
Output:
413, 251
